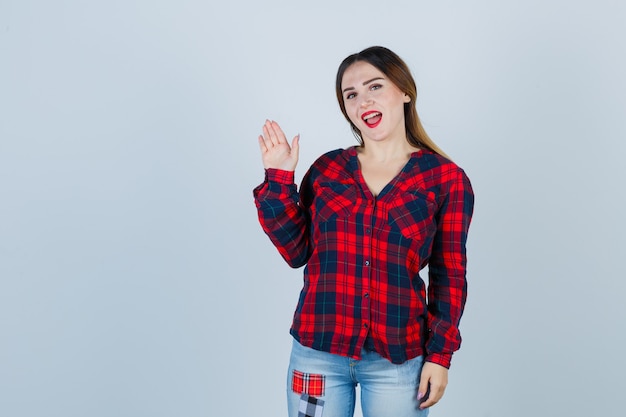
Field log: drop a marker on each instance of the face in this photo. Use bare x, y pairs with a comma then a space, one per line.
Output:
374, 104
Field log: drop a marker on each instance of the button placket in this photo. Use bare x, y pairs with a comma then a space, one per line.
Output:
368, 220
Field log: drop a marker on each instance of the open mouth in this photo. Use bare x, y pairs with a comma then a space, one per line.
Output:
372, 118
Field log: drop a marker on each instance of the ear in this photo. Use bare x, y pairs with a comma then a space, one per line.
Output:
407, 99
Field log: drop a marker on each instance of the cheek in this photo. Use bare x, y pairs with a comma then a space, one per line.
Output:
351, 111
353, 119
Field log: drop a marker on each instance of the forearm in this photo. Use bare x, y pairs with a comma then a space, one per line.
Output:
281, 216
447, 294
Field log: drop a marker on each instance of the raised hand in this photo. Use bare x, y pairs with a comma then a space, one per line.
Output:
275, 150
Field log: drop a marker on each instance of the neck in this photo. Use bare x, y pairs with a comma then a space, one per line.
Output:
387, 150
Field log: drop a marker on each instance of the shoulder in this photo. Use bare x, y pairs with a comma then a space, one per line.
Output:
439, 166
334, 164
438, 173
339, 155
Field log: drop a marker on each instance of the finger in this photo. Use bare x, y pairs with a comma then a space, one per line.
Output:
435, 394
272, 133
422, 390
280, 135
267, 136
262, 144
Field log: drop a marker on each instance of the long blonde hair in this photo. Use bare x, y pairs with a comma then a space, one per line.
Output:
390, 64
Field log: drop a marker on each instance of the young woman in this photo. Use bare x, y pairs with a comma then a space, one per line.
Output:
366, 220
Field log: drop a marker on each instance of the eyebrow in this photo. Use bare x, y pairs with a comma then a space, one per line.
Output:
365, 83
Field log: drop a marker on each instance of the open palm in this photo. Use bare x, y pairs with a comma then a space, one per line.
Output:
275, 150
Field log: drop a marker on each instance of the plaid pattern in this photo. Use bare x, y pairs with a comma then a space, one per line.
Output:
363, 254
312, 384
310, 406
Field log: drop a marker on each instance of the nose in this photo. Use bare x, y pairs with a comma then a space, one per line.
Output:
366, 101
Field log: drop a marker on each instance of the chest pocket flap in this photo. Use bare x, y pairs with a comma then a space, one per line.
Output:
334, 200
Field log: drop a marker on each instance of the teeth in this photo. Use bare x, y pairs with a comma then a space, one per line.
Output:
369, 116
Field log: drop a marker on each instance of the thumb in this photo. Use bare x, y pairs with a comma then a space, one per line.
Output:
295, 145
423, 387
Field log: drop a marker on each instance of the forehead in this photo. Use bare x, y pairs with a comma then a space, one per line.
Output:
359, 72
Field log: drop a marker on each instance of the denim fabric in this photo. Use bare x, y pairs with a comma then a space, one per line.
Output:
387, 389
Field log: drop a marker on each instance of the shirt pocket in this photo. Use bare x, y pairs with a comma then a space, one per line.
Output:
413, 215
334, 201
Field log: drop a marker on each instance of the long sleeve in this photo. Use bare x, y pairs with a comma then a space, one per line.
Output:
363, 254
283, 217
447, 290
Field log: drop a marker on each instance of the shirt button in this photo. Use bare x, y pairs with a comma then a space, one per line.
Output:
367, 263
365, 325
367, 295
368, 231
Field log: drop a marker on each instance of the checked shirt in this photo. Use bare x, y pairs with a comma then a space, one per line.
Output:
363, 254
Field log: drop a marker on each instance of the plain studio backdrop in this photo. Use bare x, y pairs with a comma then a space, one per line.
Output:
135, 279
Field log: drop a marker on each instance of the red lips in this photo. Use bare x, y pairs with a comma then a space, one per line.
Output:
372, 118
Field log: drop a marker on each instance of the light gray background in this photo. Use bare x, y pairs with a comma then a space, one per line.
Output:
134, 277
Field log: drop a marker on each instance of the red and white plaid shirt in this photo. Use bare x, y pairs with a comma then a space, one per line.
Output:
363, 254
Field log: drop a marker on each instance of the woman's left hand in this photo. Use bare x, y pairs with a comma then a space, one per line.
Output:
434, 377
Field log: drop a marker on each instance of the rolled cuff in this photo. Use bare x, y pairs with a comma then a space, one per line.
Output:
443, 359
280, 176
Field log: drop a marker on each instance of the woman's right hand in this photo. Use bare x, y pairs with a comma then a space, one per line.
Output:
275, 150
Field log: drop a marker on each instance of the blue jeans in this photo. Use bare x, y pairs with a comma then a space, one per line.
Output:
387, 389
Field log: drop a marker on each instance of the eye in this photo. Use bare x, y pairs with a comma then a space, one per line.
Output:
350, 96
375, 86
